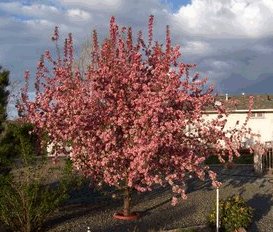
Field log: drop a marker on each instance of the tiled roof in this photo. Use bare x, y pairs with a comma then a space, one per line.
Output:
242, 102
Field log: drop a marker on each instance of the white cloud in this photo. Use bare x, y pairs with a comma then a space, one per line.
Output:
78, 14
39, 23
34, 10
218, 64
226, 18
195, 47
94, 4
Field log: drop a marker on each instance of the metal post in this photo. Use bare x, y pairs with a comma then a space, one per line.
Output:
217, 210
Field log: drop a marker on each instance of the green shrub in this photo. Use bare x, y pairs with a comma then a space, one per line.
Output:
27, 197
17, 141
233, 214
72, 179
26, 203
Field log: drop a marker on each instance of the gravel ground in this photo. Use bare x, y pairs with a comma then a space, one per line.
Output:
158, 214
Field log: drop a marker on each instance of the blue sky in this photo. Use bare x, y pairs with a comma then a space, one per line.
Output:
175, 4
231, 41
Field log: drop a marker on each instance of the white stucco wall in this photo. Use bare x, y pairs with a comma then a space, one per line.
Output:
260, 125
50, 150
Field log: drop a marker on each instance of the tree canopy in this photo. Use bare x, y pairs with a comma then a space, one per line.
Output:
135, 119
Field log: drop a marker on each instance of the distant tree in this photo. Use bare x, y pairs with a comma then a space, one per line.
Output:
4, 94
84, 59
135, 119
9, 139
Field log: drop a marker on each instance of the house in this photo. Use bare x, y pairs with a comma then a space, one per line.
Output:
261, 120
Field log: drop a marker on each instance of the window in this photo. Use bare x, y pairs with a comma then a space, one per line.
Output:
257, 115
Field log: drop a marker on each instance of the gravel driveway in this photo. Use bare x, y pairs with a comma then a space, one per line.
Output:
158, 214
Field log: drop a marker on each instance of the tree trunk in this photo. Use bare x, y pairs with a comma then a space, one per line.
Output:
127, 202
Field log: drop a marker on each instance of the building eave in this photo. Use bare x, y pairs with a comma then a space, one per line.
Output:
240, 111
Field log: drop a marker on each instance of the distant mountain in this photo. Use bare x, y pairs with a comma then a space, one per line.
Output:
234, 83
262, 85
237, 84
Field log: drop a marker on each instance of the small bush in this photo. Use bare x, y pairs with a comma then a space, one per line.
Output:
17, 142
233, 214
71, 178
27, 197
26, 204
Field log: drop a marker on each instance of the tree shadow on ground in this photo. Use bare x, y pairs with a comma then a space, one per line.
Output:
195, 184
242, 176
262, 204
86, 201
150, 222
138, 197
228, 176
151, 217
82, 202
237, 175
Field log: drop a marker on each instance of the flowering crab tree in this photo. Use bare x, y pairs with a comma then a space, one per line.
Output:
135, 119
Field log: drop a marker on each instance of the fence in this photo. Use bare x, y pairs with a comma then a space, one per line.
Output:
267, 160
